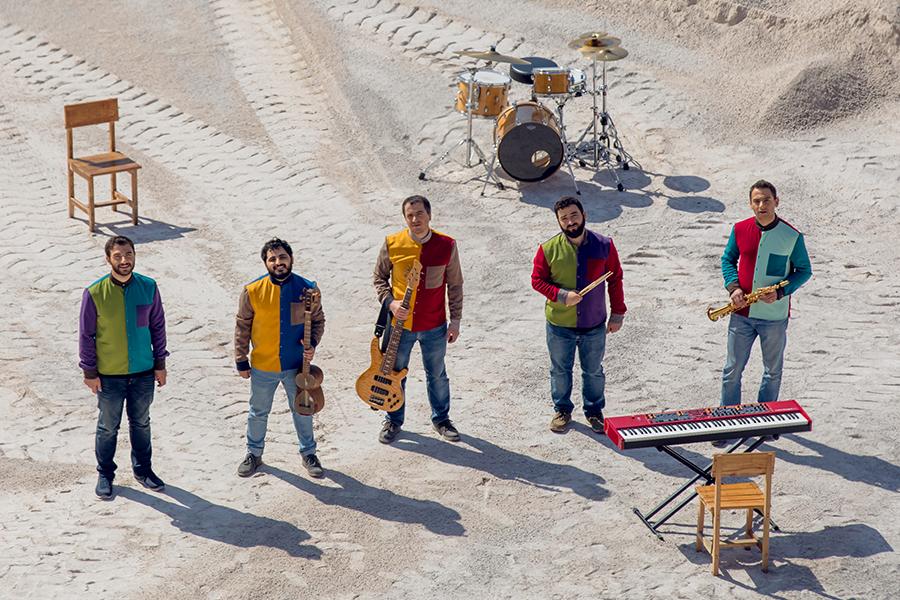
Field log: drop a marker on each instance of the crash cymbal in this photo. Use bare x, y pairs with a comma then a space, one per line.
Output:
604, 54
492, 56
590, 35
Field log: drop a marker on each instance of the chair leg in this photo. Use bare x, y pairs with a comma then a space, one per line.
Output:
765, 544
112, 185
71, 193
90, 183
717, 516
134, 198
701, 514
749, 526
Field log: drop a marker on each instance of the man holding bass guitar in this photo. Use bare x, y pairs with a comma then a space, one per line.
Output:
271, 317
439, 287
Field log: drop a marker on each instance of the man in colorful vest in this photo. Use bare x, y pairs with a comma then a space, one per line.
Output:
270, 316
761, 251
440, 286
122, 349
564, 264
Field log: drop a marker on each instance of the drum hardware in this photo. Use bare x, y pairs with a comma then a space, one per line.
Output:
599, 151
469, 84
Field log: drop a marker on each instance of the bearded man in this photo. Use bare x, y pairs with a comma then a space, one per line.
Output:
564, 264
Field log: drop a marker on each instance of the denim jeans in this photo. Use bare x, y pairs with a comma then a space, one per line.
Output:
562, 343
742, 331
135, 394
433, 344
263, 385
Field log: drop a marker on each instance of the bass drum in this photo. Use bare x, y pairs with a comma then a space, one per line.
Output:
529, 146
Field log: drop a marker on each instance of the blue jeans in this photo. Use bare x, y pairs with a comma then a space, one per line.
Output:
433, 344
263, 385
135, 394
562, 342
742, 331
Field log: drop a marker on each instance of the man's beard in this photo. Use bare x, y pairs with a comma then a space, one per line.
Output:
283, 274
573, 234
123, 272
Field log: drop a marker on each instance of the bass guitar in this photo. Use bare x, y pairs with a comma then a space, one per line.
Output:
309, 398
380, 385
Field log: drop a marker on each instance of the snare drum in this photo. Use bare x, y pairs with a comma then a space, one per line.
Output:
489, 94
551, 81
529, 146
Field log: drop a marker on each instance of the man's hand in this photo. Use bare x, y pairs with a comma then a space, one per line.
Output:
613, 326
573, 298
452, 333
308, 354
244, 374
93, 384
769, 298
398, 311
160, 377
738, 298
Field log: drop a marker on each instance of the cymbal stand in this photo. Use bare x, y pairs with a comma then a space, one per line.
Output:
470, 143
605, 137
568, 155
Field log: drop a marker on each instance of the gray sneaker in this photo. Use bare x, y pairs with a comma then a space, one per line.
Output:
249, 465
447, 430
313, 466
721, 443
389, 432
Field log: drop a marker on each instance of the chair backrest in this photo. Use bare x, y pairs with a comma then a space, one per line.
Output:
744, 464
92, 113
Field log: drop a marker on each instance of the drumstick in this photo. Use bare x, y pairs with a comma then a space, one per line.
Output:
595, 283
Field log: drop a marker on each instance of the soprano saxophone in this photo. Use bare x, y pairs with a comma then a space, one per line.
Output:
718, 313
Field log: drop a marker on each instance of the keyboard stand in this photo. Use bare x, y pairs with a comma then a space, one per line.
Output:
701, 474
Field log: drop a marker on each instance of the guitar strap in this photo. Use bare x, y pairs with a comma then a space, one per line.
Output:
382, 323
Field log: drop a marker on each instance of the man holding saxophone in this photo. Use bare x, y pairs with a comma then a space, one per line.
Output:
762, 251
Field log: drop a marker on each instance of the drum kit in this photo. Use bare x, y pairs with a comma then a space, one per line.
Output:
529, 137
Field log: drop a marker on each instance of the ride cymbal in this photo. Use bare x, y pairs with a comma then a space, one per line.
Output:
492, 56
578, 42
604, 54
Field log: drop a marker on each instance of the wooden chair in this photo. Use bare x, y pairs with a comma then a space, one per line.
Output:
109, 163
720, 496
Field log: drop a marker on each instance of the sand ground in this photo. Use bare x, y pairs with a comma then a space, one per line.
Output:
310, 119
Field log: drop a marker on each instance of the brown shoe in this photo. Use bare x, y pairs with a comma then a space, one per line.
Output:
560, 422
596, 423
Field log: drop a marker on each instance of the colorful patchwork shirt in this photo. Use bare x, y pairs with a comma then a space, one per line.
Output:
560, 266
757, 256
122, 327
440, 283
270, 316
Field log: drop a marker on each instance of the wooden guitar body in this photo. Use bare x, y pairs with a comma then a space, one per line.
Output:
310, 398
378, 390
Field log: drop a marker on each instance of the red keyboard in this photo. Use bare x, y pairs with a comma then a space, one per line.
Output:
707, 424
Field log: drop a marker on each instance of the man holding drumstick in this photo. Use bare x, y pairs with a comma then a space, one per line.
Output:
566, 263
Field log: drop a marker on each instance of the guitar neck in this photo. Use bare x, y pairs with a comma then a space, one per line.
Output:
307, 337
390, 355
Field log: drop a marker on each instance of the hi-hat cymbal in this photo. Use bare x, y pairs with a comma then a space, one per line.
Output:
604, 54
590, 35
492, 56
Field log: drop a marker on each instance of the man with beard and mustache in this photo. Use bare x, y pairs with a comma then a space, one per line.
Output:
271, 317
565, 263
122, 351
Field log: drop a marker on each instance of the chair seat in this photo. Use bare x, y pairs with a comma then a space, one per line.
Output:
734, 495
102, 164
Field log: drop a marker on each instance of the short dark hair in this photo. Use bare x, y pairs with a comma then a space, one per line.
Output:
119, 240
272, 245
565, 202
762, 184
413, 200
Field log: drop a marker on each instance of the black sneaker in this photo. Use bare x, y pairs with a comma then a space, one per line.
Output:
249, 465
313, 466
150, 481
389, 432
447, 430
104, 489
596, 423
